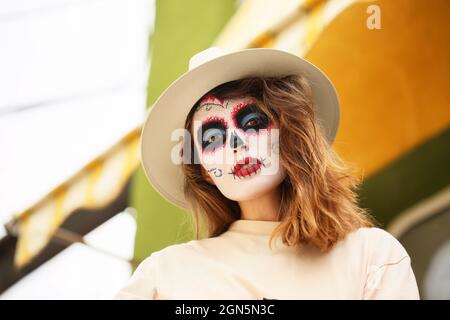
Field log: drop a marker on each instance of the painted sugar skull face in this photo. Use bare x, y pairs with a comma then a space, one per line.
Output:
237, 146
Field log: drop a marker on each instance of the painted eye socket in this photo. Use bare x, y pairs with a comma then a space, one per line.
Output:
251, 117
212, 135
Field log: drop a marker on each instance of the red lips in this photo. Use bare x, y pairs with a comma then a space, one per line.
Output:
246, 167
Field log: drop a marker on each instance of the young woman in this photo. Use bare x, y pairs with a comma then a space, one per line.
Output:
256, 168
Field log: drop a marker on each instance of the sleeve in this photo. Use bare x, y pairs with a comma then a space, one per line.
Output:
389, 273
142, 284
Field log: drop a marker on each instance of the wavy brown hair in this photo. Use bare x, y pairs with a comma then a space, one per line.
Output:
318, 196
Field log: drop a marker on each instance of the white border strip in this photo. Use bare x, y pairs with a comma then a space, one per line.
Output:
419, 212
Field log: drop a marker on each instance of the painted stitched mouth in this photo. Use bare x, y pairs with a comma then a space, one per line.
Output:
247, 167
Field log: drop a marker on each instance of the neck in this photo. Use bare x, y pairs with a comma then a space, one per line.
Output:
264, 208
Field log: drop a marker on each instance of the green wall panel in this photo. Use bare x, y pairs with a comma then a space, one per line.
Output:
415, 176
182, 28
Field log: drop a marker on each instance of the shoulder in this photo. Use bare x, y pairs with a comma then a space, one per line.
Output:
181, 252
388, 266
380, 246
381, 240
372, 233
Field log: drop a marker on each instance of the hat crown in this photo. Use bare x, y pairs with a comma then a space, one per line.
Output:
205, 56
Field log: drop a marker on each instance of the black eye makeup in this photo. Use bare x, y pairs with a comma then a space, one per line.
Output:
212, 134
249, 116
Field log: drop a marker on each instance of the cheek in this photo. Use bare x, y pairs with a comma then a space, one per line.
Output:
213, 152
263, 141
212, 161
215, 173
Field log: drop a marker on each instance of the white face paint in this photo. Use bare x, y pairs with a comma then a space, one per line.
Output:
238, 147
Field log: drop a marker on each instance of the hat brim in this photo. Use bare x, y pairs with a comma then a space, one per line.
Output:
170, 110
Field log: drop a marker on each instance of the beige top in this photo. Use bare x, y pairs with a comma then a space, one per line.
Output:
368, 264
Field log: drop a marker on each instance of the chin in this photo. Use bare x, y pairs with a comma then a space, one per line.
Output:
252, 189
245, 196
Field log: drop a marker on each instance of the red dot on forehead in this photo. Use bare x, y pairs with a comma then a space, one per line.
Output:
210, 98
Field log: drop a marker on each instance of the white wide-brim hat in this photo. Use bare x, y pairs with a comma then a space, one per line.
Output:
208, 69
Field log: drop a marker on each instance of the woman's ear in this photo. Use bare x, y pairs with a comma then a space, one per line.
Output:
206, 176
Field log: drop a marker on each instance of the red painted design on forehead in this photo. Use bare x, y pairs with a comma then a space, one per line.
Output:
211, 98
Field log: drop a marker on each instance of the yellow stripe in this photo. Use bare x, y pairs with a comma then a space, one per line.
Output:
314, 23
58, 212
267, 38
308, 4
263, 40
131, 157
89, 176
94, 170
23, 255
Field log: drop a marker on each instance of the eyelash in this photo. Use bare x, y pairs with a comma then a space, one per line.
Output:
253, 119
214, 119
252, 106
208, 121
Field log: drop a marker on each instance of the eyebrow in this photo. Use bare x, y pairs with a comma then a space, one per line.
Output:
210, 100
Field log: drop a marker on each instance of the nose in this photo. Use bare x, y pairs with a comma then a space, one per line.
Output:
235, 141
